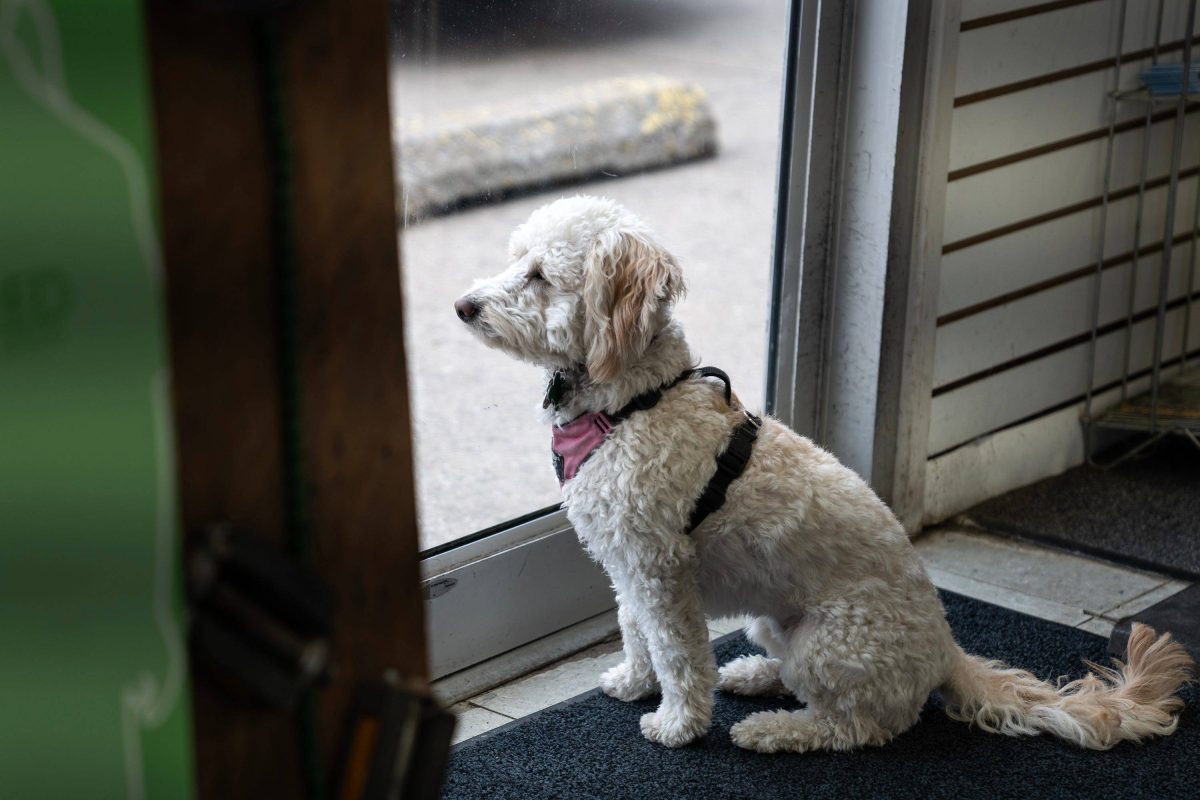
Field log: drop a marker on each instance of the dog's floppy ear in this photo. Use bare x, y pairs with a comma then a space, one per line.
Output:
627, 279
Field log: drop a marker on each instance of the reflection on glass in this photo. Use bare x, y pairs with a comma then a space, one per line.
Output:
525, 99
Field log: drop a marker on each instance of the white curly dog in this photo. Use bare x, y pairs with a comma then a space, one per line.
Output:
850, 621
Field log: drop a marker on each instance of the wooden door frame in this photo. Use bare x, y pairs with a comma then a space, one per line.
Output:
353, 410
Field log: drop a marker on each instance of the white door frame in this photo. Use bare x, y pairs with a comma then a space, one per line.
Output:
858, 255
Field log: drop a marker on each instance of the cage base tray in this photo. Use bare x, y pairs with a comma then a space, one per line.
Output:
1178, 409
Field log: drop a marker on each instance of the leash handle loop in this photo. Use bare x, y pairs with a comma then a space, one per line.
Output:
713, 372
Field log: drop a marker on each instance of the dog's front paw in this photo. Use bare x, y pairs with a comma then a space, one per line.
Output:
672, 730
625, 683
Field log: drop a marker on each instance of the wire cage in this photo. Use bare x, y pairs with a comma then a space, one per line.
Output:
1170, 405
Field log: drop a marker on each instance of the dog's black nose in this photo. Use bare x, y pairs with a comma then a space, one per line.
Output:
465, 308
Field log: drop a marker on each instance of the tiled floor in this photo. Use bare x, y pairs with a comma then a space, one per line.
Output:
1051, 584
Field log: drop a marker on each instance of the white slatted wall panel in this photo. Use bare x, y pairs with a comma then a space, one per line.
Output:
1023, 215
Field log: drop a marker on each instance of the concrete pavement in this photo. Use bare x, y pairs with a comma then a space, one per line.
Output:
481, 455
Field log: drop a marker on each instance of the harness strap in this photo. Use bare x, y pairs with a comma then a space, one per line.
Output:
731, 462
574, 443
730, 465
648, 400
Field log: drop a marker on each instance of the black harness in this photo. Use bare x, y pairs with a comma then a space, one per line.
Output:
731, 462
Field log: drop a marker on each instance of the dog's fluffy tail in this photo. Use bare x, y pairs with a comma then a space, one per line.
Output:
1133, 702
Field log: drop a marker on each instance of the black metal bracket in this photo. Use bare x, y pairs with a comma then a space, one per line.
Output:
261, 624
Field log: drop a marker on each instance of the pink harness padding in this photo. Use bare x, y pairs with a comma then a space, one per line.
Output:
574, 442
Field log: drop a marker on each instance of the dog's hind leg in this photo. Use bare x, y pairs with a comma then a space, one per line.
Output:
848, 720
756, 675
751, 676
807, 729
865, 681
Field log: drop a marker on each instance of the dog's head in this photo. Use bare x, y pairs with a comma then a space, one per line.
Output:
586, 284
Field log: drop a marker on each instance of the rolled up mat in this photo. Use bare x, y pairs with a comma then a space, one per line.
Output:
488, 152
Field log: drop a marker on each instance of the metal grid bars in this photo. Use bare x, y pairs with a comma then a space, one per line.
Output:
1171, 405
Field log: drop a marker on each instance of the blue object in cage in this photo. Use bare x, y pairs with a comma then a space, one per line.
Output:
1163, 80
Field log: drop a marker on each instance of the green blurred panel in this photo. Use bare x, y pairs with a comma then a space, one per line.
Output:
93, 688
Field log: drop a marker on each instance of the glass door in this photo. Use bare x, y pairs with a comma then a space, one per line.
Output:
513, 72
673, 109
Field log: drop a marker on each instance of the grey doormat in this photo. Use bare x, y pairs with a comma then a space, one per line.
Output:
590, 747
1145, 512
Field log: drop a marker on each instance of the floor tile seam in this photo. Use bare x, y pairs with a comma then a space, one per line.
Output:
473, 704
1028, 608
1123, 569
1105, 614
1027, 542
1010, 589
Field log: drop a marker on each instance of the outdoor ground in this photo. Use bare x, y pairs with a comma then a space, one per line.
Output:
481, 456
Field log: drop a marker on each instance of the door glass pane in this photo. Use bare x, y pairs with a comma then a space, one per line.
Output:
536, 100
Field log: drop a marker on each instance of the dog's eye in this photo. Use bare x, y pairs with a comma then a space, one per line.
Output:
535, 274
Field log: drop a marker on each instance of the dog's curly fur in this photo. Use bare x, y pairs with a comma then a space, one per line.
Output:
844, 609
